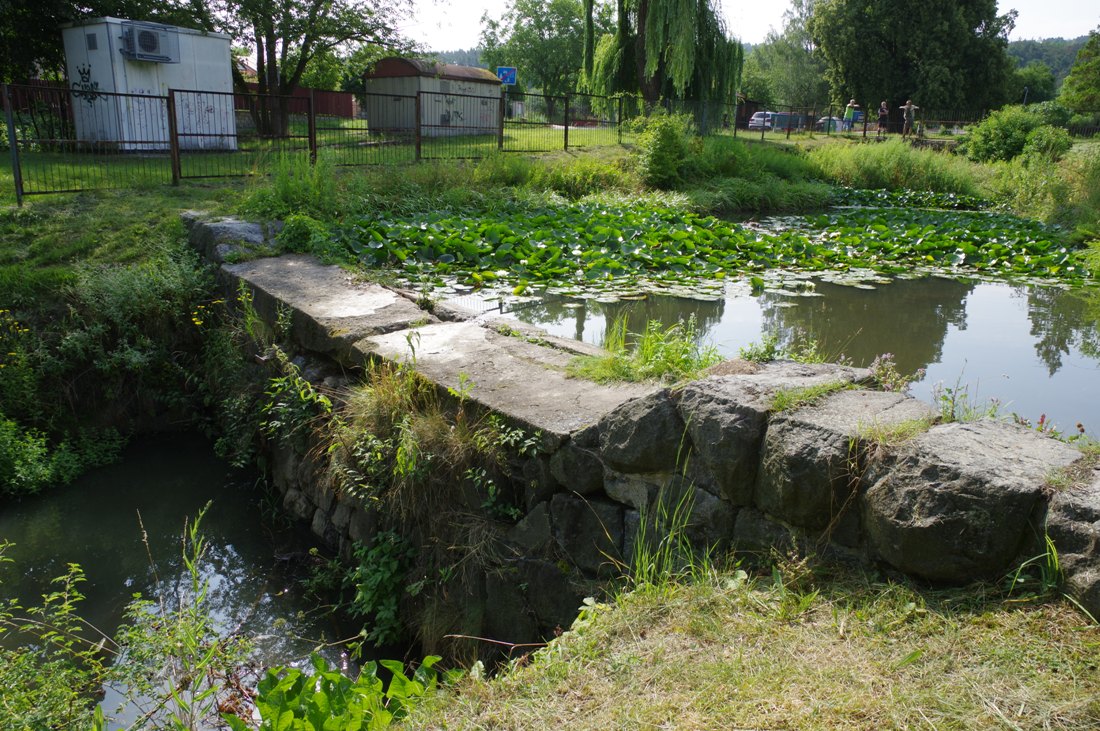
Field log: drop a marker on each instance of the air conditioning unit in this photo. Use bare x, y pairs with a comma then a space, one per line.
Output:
148, 42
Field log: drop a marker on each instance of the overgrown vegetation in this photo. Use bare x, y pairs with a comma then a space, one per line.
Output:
443, 476
660, 353
99, 329
893, 165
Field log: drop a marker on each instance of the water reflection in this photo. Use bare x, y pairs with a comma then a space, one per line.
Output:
908, 318
1036, 349
166, 481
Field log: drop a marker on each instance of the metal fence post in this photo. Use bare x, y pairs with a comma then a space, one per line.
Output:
619, 121
311, 117
566, 138
13, 144
502, 110
419, 134
173, 138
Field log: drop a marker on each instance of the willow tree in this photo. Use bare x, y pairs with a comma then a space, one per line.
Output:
670, 48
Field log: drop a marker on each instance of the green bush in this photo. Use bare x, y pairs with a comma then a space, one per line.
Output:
1002, 135
296, 186
1051, 113
302, 233
1047, 143
663, 148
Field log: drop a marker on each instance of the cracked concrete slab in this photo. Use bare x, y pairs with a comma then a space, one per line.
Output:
525, 381
330, 309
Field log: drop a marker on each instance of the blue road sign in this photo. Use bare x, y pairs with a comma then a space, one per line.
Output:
507, 75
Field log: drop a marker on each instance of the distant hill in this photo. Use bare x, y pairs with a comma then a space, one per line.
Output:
471, 57
1057, 53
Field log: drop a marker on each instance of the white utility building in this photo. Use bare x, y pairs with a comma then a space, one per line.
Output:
120, 72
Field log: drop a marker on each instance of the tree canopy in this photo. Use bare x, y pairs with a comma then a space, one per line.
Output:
1081, 89
789, 64
544, 40
287, 34
672, 48
947, 54
1057, 53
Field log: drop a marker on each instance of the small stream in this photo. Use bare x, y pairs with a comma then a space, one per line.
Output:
167, 480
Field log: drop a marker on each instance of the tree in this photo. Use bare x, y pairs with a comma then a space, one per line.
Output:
791, 62
30, 31
950, 54
1057, 53
1081, 89
677, 48
544, 40
287, 34
1033, 83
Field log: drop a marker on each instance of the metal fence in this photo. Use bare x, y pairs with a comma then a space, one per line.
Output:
68, 139
65, 139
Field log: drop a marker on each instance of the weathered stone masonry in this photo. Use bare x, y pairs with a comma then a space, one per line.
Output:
956, 503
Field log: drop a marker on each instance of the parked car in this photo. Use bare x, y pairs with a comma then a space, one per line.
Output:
828, 124
761, 120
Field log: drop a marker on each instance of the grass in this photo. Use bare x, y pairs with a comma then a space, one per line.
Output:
660, 353
885, 435
894, 165
43, 243
789, 399
807, 648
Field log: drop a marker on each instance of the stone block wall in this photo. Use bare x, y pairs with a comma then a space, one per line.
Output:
951, 503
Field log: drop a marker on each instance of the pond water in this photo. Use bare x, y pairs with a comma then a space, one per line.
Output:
1034, 348
167, 480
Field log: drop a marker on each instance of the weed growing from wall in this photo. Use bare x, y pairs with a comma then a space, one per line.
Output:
660, 353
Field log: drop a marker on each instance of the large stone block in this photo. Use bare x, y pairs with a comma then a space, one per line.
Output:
954, 504
1073, 525
813, 458
554, 595
577, 469
727, 416
643, 435
507, 617
590, 532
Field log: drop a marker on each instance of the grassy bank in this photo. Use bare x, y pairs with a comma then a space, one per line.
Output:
101, 304
802, 649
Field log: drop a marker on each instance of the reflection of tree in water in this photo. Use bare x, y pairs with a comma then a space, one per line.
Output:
908, 318
1062, 320
666, 310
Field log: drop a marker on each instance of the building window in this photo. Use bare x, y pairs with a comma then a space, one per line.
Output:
93, 43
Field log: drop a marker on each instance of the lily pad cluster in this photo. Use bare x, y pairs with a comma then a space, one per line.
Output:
907, 199
592, 245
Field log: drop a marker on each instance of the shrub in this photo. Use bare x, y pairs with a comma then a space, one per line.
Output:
662, 149
1051, 113
296, 186
1047, 143
1002, 135
302, 233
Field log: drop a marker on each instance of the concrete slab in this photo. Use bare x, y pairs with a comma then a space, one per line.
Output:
330, 310
523, 380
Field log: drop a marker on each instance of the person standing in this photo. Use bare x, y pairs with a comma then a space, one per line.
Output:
909, 109
883, 118
850, 115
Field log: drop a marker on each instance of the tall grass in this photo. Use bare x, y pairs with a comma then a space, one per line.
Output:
659, 353
894, 165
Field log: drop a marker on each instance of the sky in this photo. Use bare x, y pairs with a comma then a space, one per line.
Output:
447, 25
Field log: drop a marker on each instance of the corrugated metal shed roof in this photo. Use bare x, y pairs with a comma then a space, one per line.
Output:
391, 67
